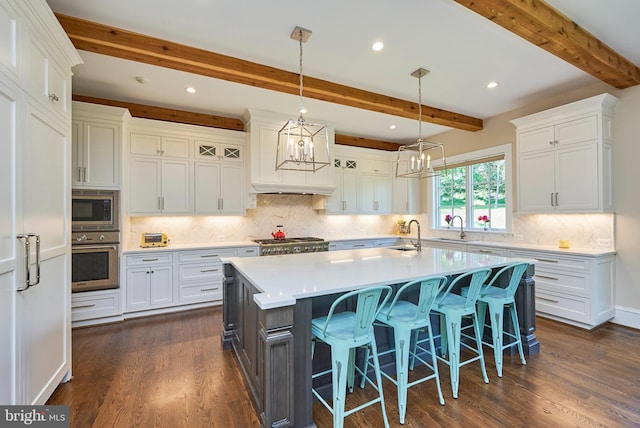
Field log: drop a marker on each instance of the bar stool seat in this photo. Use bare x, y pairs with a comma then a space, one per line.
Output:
405, 317
452, 308
496, 299
344, 332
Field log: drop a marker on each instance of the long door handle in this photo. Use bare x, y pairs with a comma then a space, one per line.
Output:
27, 259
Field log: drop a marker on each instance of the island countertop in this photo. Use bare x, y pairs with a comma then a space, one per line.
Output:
283, 279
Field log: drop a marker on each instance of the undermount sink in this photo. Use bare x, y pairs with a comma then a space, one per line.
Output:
404, 248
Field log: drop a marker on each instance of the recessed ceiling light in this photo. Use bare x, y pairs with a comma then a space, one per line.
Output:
377, 46
392, 127
191, 90
491, 85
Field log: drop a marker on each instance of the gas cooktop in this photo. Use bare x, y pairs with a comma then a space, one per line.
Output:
287, 240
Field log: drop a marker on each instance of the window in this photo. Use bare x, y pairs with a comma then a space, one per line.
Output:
474, 187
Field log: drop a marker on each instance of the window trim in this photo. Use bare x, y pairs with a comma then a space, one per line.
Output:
502, 150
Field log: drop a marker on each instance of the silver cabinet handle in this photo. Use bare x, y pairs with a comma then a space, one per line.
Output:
557, 204
552, 199
53, 97
84, 174
204, 256
546, 277
83, 306
547, 300
79, 173
97, 247
209, 289
485, 251
208, 270
27, 250
221, 204
150, 260
159, 207
163, 203
547, 260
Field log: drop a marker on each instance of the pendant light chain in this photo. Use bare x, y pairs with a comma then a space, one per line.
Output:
302, 109
420, 109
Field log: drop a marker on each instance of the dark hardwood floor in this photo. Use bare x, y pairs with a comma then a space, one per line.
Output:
170, 371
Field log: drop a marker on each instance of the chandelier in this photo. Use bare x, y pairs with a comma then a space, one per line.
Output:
418, 155
302, 145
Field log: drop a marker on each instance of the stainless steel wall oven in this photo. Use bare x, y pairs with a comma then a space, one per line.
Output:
95, 238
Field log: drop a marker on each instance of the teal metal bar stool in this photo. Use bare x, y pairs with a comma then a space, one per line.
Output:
344, 332
496, 298
406, 317
452, 308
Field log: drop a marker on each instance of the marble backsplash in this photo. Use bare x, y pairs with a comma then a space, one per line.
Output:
298, 218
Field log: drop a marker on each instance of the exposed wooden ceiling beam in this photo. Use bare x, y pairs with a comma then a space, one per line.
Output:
167, 114
107, 40
544, 26
193, 118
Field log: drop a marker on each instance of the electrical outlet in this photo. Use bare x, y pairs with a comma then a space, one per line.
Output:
603, 242
517, 237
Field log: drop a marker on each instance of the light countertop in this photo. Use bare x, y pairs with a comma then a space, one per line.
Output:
285, 278
184, 247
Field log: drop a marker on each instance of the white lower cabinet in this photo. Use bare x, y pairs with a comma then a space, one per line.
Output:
149, 285
162, 280
571, 288
200, 275
92, 305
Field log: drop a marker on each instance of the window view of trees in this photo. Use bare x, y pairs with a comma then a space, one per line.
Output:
475, 192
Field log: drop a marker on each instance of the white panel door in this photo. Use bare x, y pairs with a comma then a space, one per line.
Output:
207, 187
176, 179
101, 155
536, 182
232, 189
577, 177
144, 187
8, 242
43, 311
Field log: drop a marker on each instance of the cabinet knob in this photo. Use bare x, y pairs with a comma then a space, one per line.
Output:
53, 97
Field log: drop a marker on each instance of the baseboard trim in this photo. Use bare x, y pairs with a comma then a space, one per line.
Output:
629, 317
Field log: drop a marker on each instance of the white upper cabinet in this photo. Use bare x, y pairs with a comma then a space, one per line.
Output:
178, 169
564, 157
97, 133
9, 42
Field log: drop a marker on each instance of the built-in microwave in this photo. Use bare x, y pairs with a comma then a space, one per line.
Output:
95, 210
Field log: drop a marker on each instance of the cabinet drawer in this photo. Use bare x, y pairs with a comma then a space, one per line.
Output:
200, 271
248, 252
573, 308
555, 261
198, 256
148, 259
95, 305
563, 282
201, 292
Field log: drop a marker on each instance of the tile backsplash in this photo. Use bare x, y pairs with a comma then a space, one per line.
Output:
299, 219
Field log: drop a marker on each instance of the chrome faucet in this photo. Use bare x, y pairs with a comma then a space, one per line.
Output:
418, 244
462, 234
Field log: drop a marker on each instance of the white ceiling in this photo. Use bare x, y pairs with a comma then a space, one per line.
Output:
463, 50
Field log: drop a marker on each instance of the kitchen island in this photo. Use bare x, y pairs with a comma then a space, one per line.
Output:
269, 303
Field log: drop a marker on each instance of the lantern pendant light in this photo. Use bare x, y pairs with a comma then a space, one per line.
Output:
302, 145
419, 161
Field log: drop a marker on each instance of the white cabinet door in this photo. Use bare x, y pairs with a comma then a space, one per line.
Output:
577, 177
350, 193
232, 189
161, 286
9, 249
207, 187
176, 196
536, 182
145, 182
9, 30
44, 359
375, 192
96, 155
138, 289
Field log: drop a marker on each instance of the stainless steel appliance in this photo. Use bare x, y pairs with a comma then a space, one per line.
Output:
270, 247
95, 260
95, 210
95, 240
